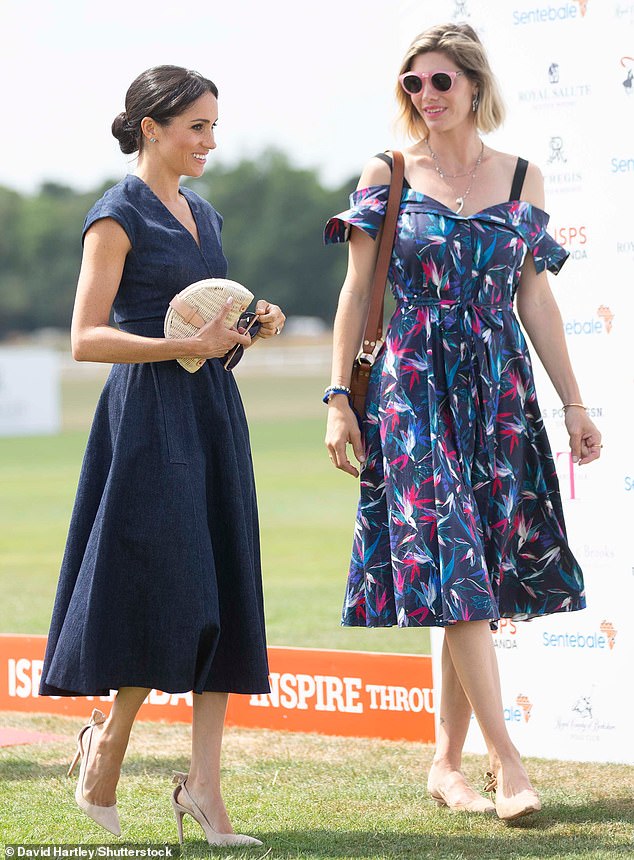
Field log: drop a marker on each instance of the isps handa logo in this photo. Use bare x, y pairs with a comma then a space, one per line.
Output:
600, 323
574, 239
505, 637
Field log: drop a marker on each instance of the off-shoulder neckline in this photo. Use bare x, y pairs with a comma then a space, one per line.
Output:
437, 203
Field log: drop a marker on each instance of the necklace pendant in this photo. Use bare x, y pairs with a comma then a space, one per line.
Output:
460, 202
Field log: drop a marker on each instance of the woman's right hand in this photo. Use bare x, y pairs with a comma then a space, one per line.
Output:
214, 339
343, 429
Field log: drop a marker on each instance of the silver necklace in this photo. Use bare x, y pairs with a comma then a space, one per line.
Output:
459, 200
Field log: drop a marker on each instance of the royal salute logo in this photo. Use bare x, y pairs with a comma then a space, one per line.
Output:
526, 705
610, 631
558, 89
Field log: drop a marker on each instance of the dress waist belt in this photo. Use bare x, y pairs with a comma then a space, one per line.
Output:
475, 321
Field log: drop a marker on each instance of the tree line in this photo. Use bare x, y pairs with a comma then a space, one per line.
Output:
273, 212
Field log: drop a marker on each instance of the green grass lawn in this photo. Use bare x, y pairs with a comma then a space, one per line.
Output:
305, 796
306, 513
308, 796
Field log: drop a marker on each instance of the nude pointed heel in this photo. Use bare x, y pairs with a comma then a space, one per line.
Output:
511, 808
183, 803
106, 816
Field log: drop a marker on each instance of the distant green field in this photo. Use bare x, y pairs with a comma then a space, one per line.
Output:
306, 513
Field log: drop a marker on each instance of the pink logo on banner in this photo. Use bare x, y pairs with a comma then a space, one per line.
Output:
610, 631
526, 705
607, 316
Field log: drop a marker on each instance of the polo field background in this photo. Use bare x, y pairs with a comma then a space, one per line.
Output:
304, 795
306, 513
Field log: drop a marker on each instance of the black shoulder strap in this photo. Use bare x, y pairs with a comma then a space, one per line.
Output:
518, 179
388, 160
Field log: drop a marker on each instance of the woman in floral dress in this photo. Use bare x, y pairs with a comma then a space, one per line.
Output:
460, 520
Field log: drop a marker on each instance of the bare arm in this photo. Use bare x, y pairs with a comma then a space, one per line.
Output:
106, 246
352, 311
541, 318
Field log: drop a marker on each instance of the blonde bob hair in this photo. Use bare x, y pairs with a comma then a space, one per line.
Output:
460, 42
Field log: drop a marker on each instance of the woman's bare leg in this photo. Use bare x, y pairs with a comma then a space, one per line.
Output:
203, 781
110, 742
445, 775
473, 656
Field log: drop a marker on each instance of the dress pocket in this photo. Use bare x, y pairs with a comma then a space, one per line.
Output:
173, 399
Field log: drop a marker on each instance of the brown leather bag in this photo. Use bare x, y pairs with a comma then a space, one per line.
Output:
372, 342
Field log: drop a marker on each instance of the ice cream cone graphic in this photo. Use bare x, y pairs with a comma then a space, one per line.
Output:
610, 631
607, 316
526, 705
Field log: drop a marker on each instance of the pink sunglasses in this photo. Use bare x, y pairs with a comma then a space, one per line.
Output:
413, 83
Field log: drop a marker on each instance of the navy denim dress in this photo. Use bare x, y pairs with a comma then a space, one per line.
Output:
160, 584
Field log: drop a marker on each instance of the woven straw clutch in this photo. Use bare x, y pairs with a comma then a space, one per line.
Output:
197, 304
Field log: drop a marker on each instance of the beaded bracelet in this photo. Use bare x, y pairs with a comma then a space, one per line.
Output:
335, 389
568, 405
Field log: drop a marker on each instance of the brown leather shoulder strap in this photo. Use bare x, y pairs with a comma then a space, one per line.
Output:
374, 326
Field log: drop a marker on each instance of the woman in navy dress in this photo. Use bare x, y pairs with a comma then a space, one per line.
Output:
460, 520
160, 585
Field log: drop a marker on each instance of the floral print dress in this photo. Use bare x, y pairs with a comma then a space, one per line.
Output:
460, 516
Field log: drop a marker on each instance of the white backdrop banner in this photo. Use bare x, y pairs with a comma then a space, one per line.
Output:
566, 71
29, 391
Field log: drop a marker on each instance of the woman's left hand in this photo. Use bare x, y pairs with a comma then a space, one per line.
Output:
270, 317
585, 438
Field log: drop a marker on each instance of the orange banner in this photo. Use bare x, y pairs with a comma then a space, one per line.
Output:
330, 692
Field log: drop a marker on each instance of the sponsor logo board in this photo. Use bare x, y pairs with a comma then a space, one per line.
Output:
331, 692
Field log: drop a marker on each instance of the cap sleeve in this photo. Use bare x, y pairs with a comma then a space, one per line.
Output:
106, 208
367, 210
547, 253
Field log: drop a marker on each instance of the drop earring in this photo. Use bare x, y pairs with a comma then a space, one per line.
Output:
475, 102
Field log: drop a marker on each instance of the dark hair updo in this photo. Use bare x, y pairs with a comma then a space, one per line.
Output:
162, 93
